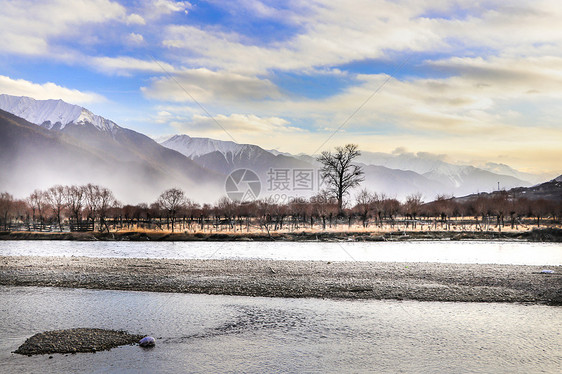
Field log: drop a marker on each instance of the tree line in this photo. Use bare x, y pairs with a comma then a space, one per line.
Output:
94, 207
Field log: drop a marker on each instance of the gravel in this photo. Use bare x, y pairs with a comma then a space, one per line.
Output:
317, 279
76, 340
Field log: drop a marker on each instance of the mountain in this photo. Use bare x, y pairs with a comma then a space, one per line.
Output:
144, 161
551, 190
195, 147
508, 170
53, 114
227, 156
119, 158
453, 179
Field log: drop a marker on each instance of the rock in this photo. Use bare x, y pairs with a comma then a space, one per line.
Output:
147, 341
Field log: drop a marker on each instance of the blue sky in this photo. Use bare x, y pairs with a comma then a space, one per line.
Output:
476, 83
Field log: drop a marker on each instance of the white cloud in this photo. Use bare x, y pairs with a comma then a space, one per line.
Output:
134, 38
135, 19
332, 33
124, 65
206, 85
21, 87
28, 27
157, 8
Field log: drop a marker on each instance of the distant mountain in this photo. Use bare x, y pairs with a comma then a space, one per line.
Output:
137, 168
508, 170
551, 190
227, 156
157, 166
453, 179
195, 147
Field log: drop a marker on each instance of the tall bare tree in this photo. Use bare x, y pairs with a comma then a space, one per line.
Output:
339, 173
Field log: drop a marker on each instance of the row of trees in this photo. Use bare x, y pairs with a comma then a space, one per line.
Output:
93, 207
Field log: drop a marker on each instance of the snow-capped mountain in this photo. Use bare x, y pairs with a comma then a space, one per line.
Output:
508, 170
129, 158
53, 114
195, 147
226, 156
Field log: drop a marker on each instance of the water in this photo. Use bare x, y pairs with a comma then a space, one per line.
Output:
203, 333
469, 252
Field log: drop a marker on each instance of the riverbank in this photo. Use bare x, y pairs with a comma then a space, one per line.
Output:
293, 279
542, 235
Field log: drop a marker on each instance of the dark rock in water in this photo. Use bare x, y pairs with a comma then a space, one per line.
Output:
76, 340
147, 341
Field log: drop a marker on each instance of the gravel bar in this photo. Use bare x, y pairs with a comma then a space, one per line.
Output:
76, 340
295, 279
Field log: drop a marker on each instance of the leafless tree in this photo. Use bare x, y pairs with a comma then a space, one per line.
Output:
172, 201
339, 173
91, 201
364, 203
56, 197
75, 201
6, 207
105, 201
38, 203
412, 207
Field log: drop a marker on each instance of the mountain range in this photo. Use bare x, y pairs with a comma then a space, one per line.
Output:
47, 142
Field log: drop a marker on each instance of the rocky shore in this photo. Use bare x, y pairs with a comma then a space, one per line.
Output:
317, 279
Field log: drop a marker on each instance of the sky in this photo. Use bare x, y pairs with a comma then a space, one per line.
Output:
467, 81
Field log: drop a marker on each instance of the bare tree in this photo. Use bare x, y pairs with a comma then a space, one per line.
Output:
56, 197
6, 207
38, 202
75, 201
172, 201
91, 201
105, 201
364, 203
339, 173
412, 207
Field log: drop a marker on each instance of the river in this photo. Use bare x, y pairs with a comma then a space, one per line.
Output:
204, 333
209, 333
463, 252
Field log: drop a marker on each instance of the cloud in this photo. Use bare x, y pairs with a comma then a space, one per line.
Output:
209, 86
28, 27
135, 19
330, 33
124, 65
155, 9
134, 38
20, 87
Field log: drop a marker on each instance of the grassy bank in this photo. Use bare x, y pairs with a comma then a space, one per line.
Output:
547, 235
